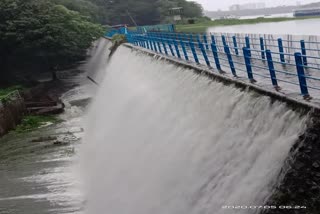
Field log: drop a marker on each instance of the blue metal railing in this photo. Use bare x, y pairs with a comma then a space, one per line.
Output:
289, 64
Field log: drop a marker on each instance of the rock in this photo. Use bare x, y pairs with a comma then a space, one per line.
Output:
59, 143
43, 139
33, 104
58, 109
62, 142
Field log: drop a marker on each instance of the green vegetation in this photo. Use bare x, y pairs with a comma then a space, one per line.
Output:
41, 35
49, 35
5, 92
201, 26
117, 40
32, 122
84, 7
144, 12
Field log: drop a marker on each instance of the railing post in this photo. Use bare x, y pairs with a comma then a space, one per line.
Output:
198, 40
304, 52
205, 41
281, 51
164, 46
159, 47
190, 37
248, 45
150, 42
154, 45
235, 45
144, 42
227, 51
177, 49
179, 37
147, 42
224, 41
170, 47
194, 52
301, 76
247, 59
204, 53
263, 56
186, 39
272, 70
215, 53
140, 42
184, 50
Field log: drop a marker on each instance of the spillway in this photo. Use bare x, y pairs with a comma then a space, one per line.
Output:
161, 139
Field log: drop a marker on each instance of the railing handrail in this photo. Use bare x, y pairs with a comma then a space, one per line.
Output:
262, 57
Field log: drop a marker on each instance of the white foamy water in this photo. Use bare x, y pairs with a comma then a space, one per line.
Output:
36, 175
163, 140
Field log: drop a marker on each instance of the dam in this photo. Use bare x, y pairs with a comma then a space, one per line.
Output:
154, 107
173, 141
164, 136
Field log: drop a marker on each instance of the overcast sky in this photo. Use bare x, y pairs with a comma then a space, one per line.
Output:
224, 4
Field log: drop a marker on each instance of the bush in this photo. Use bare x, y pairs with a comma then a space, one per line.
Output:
191, 21
117, 40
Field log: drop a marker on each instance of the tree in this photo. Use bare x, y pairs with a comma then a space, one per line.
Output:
144, 12
192, 9
85, 8
42, 33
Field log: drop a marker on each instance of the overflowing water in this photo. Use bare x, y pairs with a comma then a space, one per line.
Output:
39, 169
161, 139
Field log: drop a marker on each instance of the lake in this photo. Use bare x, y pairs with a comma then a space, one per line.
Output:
296, 27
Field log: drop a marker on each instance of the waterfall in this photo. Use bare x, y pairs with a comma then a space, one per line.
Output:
161, 139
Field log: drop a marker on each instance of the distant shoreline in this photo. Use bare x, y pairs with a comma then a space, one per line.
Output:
202, 27
260, 12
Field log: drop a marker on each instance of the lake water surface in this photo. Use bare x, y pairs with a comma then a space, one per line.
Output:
296, 27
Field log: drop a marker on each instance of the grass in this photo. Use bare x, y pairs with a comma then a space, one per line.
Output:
31, 122
5, 92
202, 27
118, 39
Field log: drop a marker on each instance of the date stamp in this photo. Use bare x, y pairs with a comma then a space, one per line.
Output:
265, 207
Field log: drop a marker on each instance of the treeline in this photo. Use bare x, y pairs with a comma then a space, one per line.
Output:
143, 12
39, 35
51, 34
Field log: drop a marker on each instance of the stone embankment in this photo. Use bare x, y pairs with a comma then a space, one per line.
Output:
12, 110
